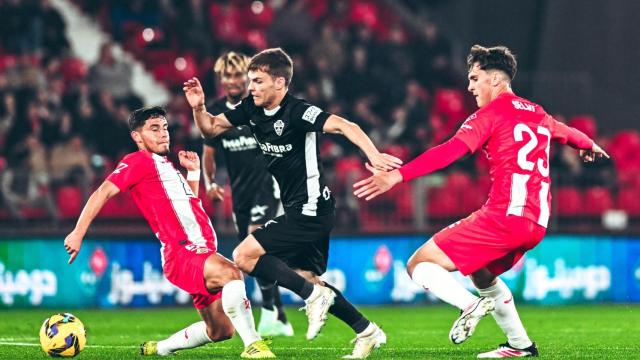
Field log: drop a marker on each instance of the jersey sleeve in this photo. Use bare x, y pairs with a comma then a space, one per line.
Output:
130, 171
307, 117
565, 134
476, 129
242, 113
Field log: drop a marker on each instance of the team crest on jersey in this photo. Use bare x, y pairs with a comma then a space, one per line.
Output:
278, 126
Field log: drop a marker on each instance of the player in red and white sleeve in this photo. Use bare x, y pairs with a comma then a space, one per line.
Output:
515, 135
170, 204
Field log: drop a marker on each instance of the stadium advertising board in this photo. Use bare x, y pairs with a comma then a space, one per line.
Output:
369, 270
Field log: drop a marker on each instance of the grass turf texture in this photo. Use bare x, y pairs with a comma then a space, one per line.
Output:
416, 332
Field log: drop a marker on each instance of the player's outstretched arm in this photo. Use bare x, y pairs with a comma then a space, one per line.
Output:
96, 201
209, 125
337, 125
431, 160
589, 150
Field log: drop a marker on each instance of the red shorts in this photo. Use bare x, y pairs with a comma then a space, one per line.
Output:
184, 268
488, 239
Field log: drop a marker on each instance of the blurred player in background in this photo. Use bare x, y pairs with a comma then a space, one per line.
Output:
515, 134
171, 206
292, 250
256, 196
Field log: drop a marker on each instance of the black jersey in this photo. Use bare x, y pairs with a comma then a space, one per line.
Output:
245, 163
288, 137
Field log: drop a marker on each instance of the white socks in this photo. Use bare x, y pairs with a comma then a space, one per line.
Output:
238, 308
506, 314
193, 336
433, 277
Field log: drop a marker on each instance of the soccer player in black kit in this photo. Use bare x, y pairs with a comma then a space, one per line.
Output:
256, 196
291, 250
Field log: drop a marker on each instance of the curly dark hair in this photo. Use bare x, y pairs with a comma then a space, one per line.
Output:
493, 58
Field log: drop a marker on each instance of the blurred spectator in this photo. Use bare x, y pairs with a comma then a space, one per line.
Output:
70, 165
25, 182
7, 116
330, 48
111, 75
292, 28
433, 56
50, 29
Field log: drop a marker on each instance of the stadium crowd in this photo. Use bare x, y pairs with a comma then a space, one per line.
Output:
63, 122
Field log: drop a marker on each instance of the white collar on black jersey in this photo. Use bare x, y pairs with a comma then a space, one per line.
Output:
231, 106
272, 111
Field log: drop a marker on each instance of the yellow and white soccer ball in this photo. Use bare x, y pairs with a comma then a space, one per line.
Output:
62, 335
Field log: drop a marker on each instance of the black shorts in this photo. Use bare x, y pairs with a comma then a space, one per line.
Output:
262, 208
302, 242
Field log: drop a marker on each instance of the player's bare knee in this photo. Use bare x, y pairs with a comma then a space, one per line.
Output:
220, 333
412, 263
241, 259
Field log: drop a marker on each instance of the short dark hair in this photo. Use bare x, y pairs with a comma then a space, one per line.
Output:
275, 62
139, 116
493, 58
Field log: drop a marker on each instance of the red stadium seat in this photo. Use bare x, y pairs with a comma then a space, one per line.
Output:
443, 203
349, 169
459, 181
568, 201
69, 200
597, 200
586, 124
628, 201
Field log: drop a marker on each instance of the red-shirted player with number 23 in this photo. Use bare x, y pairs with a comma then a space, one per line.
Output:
515, 135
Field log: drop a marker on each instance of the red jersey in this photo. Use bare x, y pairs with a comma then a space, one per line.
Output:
165, 199
515, 135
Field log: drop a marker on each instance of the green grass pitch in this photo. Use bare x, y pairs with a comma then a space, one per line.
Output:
414, 332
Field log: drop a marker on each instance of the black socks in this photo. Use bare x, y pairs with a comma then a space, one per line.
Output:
345, 311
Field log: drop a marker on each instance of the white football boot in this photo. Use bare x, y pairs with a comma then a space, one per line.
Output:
464, 326
505, 351
317, 310
370, 339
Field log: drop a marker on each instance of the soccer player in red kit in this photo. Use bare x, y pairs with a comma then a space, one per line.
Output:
172, 208
515, 135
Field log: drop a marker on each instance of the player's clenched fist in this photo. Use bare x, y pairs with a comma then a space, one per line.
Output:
189, 160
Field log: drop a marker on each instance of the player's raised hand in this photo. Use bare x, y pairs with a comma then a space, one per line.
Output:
189, 160
594, 153
379, 183
72, 244
385, 162
194, 93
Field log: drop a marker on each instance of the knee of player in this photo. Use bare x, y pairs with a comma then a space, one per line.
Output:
240, 258
220, 333
411, 265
